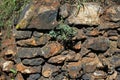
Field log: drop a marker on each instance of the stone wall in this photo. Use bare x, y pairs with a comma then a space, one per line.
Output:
92, 53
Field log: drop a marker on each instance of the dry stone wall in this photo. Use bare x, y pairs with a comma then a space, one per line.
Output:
93, 53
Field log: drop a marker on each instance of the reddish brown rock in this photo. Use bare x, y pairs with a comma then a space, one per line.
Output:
48, 70
94, 32
65, 56
28, 70
77, 46
34, 41
51, 49
73, 68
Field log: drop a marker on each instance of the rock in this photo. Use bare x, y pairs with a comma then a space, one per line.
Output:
65, 56
87, 15
79, 35
116, 61
98, 44
86, 77
51, 49
44, 78
112, 33
77, 46
61, 76
84, 51
28, 52
57, 59
19, 77
118, 77
89, 65
33, 62
34, 41
118, 42
28, 70
7, 65
113, 38
104, 25
112, 77
38, 14
37, 34
64, 10
34, 76
22, 34
99, 75
112, 13
73, 69
94, 32
48, 70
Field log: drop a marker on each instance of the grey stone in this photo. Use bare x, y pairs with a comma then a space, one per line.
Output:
22, 34
33, 62
28, 52
99, 44
34, 76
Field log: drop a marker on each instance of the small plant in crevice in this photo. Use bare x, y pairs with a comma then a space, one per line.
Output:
63, 32
14, 73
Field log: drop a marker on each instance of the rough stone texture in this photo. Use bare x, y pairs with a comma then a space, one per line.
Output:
22, 34
51, 49
33, 62
19, 77
28, 70
38, 14
34, 41
118, 42
113, 13
73, 69
87, 15
33, 77
7, 65
98, 44
28, 52
99, 75
48, 70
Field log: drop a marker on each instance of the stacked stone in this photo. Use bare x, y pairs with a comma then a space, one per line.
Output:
93, 53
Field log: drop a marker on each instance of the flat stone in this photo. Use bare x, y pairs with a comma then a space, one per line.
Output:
94, 32
38, 14
77, 46
112, 33
34, 77
34, 41
7, 65
98, 44
51, 49
28, 52
33, 62
62, 76
73, 69
22, 34
99, 75
65, 56
28, 70
112, 77
87, 15
118, 42
48, 70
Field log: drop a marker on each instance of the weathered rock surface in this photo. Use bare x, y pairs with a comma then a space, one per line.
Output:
51, 49
87, 15
34, 77
38, 14
98, 44
48, 70
33, 62
28, 70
